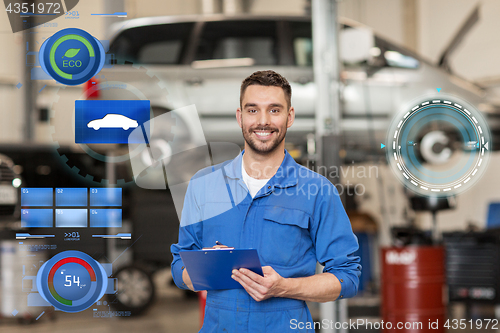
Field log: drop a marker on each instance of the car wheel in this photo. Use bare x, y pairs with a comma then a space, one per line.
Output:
134, 290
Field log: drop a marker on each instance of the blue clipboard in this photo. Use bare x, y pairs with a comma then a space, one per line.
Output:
211, 269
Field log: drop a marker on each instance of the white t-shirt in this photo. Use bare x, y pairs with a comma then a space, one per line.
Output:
253, 185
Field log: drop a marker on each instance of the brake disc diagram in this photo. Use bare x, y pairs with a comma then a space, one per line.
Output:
439, 147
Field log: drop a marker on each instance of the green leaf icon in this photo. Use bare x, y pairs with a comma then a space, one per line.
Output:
70, 53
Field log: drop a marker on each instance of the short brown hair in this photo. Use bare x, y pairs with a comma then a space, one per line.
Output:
267, 78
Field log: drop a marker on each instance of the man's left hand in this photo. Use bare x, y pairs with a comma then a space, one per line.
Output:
260, 287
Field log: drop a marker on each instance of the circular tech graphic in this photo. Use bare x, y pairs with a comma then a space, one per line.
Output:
72, 281
72, 56
439, 147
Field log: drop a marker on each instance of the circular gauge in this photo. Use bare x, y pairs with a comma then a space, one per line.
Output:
439, 147
72, 281
72, 56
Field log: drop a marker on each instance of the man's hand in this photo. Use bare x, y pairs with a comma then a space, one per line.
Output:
261, 287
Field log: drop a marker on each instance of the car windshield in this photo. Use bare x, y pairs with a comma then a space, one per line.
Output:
156, 44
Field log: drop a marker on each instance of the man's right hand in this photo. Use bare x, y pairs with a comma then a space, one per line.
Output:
215, 247
219, 246
185, 276
187, 280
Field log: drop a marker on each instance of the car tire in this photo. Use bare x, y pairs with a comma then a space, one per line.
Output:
135, 290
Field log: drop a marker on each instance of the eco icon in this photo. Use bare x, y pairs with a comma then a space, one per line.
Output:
72, 56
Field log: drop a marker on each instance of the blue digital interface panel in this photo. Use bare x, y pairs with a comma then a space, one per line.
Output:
71, 218
105, 218
36, 218
103, 197
37, 197
110, 121
71, 197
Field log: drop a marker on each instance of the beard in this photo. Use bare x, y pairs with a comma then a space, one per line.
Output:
264, 147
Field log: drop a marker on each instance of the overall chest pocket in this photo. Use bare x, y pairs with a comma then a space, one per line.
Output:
224, 226
285, 235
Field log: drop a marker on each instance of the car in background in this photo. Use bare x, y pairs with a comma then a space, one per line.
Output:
203, 59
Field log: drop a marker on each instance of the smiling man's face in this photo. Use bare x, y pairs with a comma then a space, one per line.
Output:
264, 117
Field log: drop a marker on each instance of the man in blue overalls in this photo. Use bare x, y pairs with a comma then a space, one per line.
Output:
264, 200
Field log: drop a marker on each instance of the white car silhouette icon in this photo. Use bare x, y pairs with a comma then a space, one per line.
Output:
113, 121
